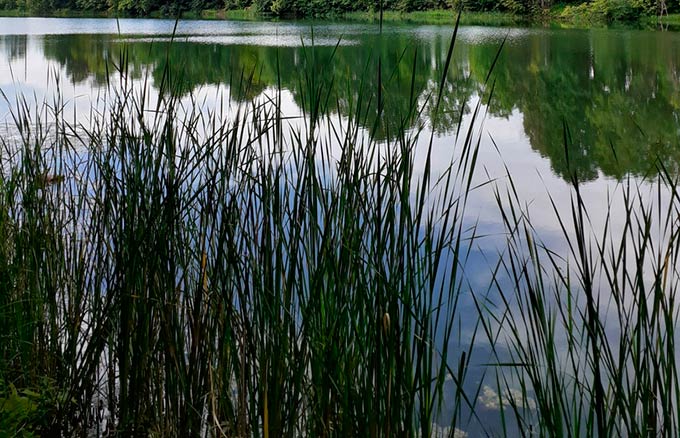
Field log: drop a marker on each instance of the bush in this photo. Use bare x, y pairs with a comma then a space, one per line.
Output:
472, 5
236, 4
520, 7
605, 11
33, 412
262, 6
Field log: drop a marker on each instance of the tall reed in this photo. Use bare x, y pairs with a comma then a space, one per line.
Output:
585, 332
178, 270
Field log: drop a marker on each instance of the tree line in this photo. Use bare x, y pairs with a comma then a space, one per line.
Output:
611, 93
608, 10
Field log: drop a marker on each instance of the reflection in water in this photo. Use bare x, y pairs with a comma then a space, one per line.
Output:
13, 46
615, 97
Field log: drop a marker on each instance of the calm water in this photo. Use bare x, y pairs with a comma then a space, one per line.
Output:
616, 94
613, 89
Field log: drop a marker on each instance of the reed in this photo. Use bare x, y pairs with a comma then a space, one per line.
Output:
173, 268
177, 270
585, 336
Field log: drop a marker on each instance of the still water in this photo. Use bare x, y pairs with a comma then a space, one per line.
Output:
612, 90
613, 96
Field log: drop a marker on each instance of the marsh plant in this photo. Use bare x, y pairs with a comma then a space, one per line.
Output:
172, 269
587, 334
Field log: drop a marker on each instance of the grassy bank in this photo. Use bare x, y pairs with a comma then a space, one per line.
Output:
208, 14
671, 20
61, 13
218, 14
579, 17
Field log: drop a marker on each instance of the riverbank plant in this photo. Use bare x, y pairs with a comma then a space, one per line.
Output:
438, 17
585, 336
174, 269
483, 12
607, 12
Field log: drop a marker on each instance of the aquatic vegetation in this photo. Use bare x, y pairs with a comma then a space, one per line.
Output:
177, 270
173, 268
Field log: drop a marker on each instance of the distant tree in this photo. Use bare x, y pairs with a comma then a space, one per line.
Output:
237, 4
524, 7
38, 5
262, 6
92, 5
413, 5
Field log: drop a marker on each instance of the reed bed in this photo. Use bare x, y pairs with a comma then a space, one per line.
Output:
585, 336
172, 270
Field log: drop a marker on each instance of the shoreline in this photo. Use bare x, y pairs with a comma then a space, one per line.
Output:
432, 17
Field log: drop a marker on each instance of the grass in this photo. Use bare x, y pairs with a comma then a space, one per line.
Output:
667, 22
238, 14
590, 332
673, 19
176, 269
171, 271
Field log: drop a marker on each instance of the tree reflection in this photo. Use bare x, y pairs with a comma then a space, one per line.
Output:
13, 46
614, 96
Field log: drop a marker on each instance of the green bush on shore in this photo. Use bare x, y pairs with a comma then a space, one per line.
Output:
573, 11
606, 11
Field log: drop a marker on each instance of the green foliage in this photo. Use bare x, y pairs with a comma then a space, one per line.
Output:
262, 6
17, 410
9, 4
473, 5
197, 273
596, 11
607, 11
521, 7
92, 5
236, 4
29, 413
419, 5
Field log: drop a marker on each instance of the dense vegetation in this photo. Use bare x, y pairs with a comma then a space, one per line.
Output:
167, 271
571, 10
169, 268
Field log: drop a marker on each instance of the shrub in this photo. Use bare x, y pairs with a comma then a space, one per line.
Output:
605, 11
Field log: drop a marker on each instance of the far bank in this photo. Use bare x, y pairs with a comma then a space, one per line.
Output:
585, 15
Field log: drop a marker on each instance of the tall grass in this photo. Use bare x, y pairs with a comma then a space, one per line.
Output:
176, 270
585, 336
172, 268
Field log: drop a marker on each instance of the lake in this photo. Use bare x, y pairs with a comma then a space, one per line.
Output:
614, 90
546, 107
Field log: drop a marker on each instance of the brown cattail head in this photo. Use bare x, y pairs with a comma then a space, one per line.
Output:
386, 323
